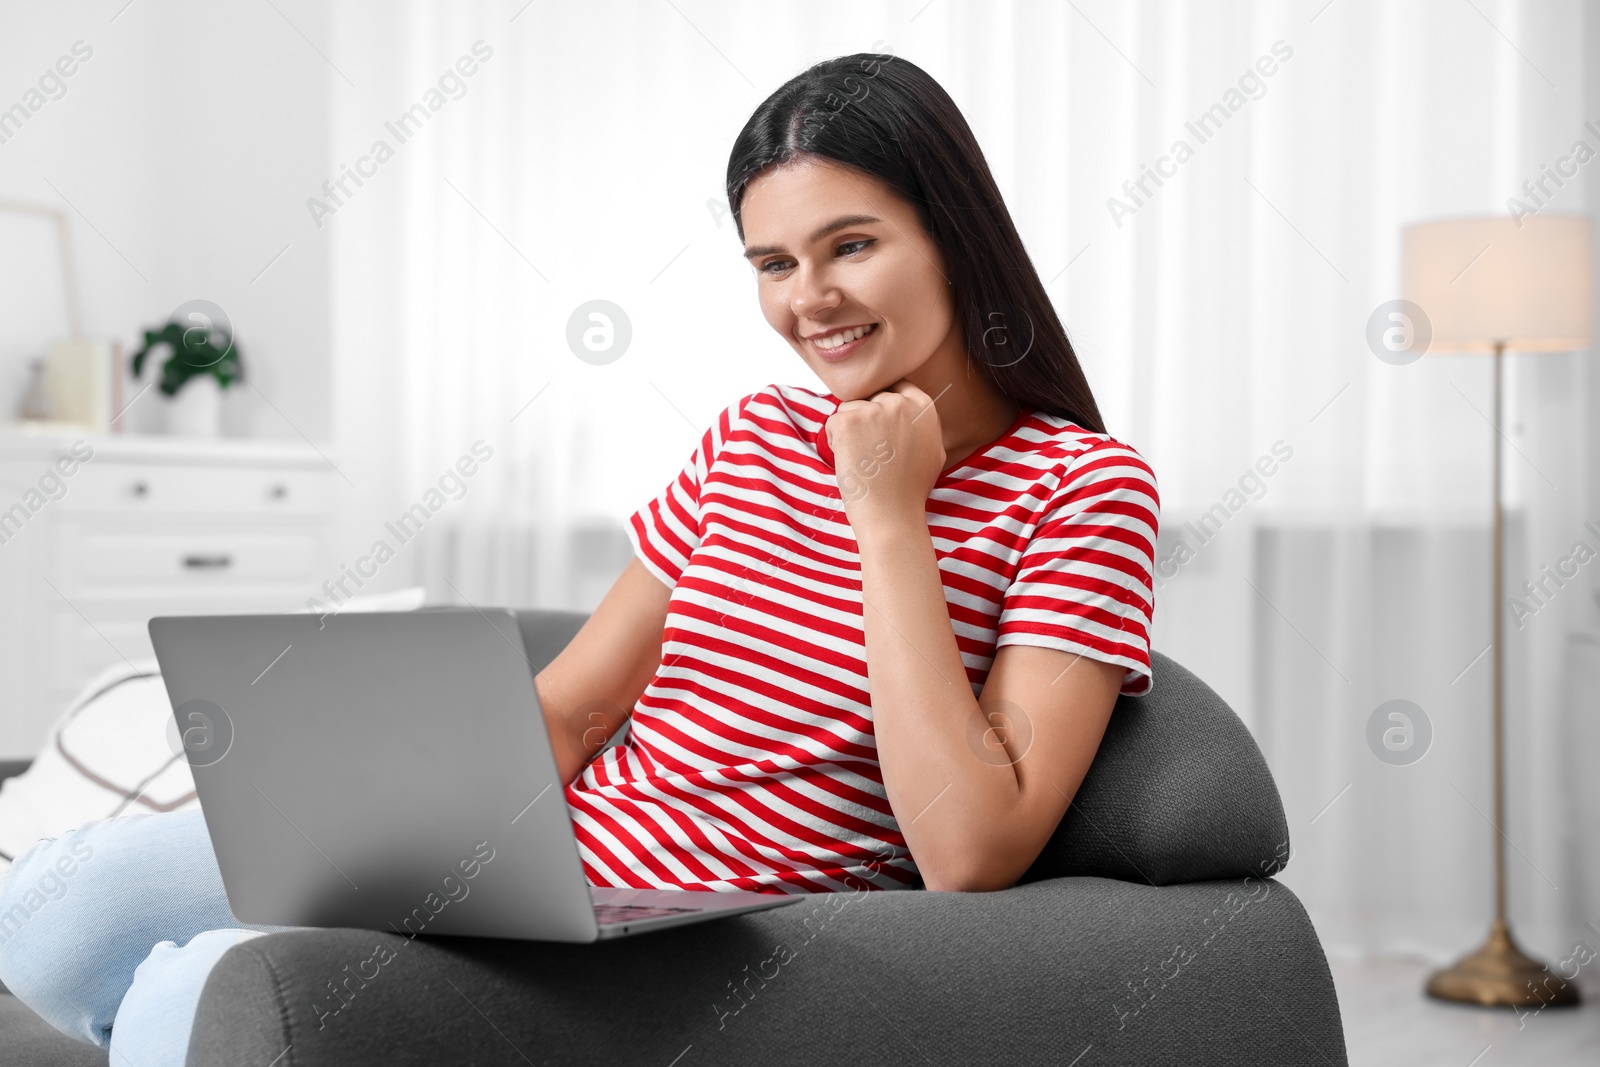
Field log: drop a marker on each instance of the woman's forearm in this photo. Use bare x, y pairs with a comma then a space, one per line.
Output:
951, 804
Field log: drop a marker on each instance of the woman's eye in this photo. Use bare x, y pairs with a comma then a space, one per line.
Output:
849, 248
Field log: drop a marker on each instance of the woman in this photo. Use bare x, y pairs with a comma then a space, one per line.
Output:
818, 600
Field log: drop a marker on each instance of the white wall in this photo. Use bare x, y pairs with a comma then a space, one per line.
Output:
189, 140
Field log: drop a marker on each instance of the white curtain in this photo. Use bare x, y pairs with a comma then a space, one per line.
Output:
1221, 317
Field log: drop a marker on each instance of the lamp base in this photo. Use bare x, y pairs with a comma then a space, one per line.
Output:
1499, 974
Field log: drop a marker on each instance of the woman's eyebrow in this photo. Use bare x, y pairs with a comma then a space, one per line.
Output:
837, 224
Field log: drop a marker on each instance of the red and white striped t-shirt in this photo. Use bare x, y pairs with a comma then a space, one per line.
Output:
751, 761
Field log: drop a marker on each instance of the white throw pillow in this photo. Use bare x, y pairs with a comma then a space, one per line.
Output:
109, 753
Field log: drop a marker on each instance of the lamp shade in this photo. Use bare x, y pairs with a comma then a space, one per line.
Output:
1528, 283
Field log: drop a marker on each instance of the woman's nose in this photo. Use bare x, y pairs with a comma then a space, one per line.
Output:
812, 291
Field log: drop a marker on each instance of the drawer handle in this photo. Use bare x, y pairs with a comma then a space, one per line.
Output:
207, 562
279, 491
141, 489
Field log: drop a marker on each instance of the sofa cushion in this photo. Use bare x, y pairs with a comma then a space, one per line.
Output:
1179, 792
1215, 972
28, 1041
107, 754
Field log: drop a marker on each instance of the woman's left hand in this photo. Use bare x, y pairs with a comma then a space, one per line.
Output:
888, 452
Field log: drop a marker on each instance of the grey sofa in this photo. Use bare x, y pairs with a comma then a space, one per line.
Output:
1148, 931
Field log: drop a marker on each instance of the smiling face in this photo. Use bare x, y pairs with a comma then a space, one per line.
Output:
846, 274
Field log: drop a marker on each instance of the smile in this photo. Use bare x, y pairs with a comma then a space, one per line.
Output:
837, 346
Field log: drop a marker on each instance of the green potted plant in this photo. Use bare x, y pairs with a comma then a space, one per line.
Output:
202, 352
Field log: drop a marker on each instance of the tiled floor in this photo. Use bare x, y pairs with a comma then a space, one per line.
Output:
1390, 1022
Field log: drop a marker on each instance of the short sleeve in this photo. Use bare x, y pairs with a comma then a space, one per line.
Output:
666, 530
1085, 582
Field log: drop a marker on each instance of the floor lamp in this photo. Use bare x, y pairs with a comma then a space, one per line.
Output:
1489, 284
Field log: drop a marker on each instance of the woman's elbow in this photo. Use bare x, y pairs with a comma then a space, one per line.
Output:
977, 878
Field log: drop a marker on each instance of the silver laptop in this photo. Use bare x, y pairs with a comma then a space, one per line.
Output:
392, 771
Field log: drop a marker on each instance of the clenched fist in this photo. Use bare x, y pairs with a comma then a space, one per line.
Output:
888, 452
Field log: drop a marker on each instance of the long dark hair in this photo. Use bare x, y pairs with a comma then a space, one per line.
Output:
887, 117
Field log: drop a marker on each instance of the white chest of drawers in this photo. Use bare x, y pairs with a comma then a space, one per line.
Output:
147, 526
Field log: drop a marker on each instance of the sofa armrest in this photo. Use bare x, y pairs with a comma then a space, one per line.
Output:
1033, 974
1178, 792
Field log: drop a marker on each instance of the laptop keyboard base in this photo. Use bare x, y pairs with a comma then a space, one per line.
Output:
611, 914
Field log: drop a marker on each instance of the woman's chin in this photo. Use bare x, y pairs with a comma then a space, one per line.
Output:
845, 392
855, 386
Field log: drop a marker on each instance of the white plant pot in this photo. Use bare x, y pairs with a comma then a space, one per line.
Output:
196, 409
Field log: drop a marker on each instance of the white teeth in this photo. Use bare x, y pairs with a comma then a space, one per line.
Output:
841, 338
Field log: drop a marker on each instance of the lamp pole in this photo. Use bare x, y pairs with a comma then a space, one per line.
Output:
1496, 598
1499, 973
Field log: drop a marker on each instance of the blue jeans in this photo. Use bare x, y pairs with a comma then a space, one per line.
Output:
109, 932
